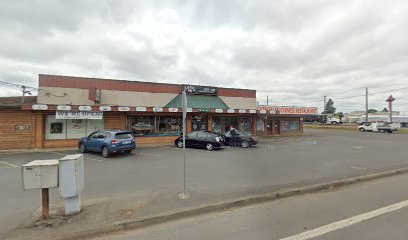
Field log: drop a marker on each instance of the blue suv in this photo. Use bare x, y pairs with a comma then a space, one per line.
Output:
107, 142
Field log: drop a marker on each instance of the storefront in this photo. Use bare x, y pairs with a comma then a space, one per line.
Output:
278, 120
68, 108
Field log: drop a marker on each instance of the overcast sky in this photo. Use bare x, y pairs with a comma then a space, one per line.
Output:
294, 51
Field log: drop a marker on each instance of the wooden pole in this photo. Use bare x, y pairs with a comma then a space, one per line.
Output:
45, 202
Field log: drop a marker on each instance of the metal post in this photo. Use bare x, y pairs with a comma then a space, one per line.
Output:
45, 202
390, 107
324, 108
366, 105
267, 100
184, 195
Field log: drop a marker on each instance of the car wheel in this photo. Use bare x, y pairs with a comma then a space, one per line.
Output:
245, 144
362, 130
209, 147
105, 152
82, 148
180, 144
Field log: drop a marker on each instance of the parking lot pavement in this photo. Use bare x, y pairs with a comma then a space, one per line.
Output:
319, 156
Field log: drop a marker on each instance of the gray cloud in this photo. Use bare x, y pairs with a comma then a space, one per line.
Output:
294, 51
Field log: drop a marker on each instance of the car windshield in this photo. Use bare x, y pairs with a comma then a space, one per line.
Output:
124, 135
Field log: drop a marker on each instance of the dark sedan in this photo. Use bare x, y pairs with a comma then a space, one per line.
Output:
201, 139
244, 140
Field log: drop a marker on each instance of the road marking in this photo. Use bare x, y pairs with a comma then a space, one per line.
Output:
87, 158
149, 154
347, 222
359, 168
9, 165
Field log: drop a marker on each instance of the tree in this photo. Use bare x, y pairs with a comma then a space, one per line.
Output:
340, 115
330, 109
385, 110
372, 110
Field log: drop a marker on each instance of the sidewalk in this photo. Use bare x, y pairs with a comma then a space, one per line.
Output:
106, 215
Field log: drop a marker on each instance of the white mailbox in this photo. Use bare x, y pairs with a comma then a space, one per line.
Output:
40, 174
71, 175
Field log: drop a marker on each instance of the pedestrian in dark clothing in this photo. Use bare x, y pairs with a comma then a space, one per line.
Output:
233, 133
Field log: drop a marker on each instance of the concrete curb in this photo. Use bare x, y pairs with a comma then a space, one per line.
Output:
225, 205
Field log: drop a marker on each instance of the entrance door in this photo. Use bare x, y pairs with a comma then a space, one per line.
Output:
269, 126
199, 122
276, 127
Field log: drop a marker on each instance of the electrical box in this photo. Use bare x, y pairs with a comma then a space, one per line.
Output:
71, 175
40, 174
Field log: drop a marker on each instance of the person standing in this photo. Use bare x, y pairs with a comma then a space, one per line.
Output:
233, 133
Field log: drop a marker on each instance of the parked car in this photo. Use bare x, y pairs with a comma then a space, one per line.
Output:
107, 142
244, 140
201, 139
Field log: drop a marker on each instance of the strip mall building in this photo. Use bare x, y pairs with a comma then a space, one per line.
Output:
68, 108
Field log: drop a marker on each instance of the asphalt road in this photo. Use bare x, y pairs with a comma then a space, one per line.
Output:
318, 156
374, 210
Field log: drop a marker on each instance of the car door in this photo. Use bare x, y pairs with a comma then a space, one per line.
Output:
100, 140
227, 137
190, 139
91, 140
202, 139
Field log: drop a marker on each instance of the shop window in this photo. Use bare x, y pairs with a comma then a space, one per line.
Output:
260, 125
142, 125
289, 125
222, 125
155, 125
170, 125
71, 128
55, 128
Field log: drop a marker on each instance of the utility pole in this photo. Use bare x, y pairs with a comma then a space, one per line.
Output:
267, 100
24, 90
324, 108
366, 105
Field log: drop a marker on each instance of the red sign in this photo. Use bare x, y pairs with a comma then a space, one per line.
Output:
290, 110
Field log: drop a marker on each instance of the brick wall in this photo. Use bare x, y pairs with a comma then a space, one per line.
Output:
10, 136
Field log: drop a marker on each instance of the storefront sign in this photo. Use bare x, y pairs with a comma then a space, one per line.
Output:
173, 109
231, 111
39, 107
23, 127
123, 109
200, 90
272, 112
157, 109
64, 108
219, 110
189, 110
204, 110
105, 108
141, 109
242, 111
78, 115
85, 108
252, 111
262, 111
291, 110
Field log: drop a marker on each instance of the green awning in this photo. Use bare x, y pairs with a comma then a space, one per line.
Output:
198, 101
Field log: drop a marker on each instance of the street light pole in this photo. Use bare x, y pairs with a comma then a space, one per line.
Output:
184, 195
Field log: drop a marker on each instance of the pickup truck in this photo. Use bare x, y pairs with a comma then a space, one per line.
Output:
379, 127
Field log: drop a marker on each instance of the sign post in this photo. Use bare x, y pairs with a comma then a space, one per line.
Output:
184, 195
